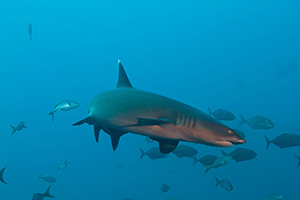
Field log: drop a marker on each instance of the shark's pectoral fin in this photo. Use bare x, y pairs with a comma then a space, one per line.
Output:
85, 120
115, 136
166, 145
151, 122
97, 129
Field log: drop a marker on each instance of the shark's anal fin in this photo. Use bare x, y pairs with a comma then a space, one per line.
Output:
97, 129
151, 122
115, 136
166, 145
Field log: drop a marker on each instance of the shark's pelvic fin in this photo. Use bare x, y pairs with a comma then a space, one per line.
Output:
166, 145
150, 121
85, 120
97, 129
123, 79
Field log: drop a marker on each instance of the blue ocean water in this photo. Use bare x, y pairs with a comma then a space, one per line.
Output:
241, 56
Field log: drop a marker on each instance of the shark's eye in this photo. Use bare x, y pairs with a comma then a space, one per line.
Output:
230, 131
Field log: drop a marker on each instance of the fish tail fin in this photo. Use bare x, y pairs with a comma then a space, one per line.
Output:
224, 153
242, 120
268, 142
1, 175
142, 153
298, 157
218, 182
58, 167
52, 113
47, 193
207, 168
209, 111
196, 160
14, 129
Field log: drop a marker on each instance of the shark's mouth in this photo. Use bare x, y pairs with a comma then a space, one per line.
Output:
242, 141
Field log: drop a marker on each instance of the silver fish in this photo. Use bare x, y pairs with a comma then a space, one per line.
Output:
224, 183
64, 105
20, 126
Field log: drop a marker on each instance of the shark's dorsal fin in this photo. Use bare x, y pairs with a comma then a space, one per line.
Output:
123, 79
166, 145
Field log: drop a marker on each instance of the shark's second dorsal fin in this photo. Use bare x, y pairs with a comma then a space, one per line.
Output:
123, 79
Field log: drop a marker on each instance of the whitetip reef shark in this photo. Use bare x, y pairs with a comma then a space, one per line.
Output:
127, 109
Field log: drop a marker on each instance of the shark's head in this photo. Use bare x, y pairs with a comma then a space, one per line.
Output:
217, 134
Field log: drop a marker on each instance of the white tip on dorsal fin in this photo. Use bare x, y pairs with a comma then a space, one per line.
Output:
123, 79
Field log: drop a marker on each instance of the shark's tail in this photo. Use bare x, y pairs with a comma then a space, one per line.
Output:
298, 157
218, 182
268, 142
52, 113
14, 129
142, 153
209, 111
1, 175
47, 193
242, 120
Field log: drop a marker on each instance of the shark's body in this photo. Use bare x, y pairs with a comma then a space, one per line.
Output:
163, 119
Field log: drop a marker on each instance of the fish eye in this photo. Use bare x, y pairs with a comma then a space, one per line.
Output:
230, 131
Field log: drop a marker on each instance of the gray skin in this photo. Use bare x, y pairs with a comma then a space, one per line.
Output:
20, 126
39, 196
223, 160
126, 109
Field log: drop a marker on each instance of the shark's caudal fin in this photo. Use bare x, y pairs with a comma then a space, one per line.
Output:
298, 157
268, 142
142, 153
242, 120
14, 129
1, 175
47, 193
123, 79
